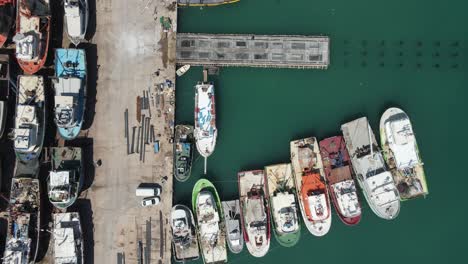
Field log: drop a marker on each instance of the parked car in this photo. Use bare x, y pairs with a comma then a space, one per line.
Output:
149, 201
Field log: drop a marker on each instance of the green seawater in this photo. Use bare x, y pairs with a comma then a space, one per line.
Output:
409, 54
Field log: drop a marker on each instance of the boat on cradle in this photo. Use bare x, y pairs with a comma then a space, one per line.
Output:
205, 119
66, 178
30, 117
369, 167
183, 152
4, 90
32, 34
283, 205
340, 182
76, 19
182, 70
68, 238
70, 91
184, 234
22, 242
401, 152
205, 2
235, 240
311, 189
209, 212
7, 12
255, 214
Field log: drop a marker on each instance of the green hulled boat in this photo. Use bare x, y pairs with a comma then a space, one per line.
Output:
210, 222
183, 152
283, 204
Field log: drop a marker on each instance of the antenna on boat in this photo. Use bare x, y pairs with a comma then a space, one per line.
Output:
370, 139
204, 170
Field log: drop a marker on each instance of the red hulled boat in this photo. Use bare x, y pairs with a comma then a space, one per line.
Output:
32, 34
341, 185
7, 11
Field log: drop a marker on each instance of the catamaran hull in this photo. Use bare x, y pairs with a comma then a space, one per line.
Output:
409, 187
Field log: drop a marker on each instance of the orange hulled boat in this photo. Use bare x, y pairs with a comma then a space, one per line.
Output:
32, 34
312, 192
7, 10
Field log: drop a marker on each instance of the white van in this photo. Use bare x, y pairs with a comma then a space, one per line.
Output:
148, 191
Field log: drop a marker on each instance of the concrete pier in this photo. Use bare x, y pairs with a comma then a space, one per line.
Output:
135, 43
275, 51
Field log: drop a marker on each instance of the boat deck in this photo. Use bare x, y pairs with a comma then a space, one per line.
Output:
30, 87
277, 51
279, 177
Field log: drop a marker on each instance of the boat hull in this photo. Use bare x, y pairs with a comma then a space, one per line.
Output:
413, 185
305, 159
246, 181
331, 149
182, 254
183, 152
80, 38
206, 185
205, 131
281, 183
358, 141
227, 207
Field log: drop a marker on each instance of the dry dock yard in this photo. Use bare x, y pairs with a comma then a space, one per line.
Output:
136, 52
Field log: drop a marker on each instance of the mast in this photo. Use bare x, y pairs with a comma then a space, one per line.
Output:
370, 139
204, 170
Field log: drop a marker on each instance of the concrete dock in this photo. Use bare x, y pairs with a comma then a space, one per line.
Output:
275, 51
136, 57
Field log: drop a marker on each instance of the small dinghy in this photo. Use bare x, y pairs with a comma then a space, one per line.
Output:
76, 19
233, 231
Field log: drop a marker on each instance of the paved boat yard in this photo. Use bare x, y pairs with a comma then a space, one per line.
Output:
131, 47
281, 51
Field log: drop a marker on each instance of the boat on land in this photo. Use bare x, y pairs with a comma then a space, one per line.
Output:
255, 212
30, 117
341, 185
311, 189
68, 238
4, 90
66, 178
369, 167
232, 217
283, 205
33, 20
183, 152
70, 91
76, 19
401, 152
205, 119
22, 242
182, 70
7, 12
205, 2
210, 222
184, 234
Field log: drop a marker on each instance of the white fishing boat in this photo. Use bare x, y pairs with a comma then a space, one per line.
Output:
253, 198
182, 70
311, 189
68, 239
402, 154
372, 175
30, 117
235, 240
205, 119
283, 207
76, 19
184, 236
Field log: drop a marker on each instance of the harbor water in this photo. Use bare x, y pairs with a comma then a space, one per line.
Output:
409, 54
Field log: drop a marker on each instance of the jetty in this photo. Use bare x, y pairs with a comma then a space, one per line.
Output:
269, 51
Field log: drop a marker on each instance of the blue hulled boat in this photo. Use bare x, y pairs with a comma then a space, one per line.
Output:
70, 91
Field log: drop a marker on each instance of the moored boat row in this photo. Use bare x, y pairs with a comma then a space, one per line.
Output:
321, 173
